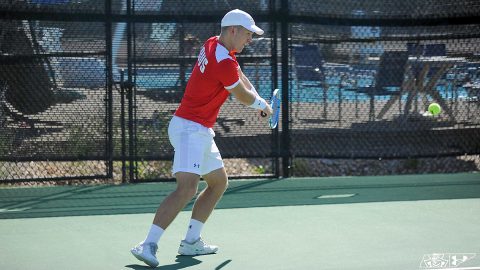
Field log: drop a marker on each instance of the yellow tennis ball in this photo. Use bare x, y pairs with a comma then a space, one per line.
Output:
434, 108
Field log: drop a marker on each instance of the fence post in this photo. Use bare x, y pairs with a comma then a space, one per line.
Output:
130, 97
109, 70
285, 148
122, 126
274, 59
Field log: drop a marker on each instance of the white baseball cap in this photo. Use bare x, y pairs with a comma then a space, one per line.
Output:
240, 17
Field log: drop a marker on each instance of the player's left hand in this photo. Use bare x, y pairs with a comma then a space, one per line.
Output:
267, 111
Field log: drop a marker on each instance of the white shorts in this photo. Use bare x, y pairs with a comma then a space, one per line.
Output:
195, 149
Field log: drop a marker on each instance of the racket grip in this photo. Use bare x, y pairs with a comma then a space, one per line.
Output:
263, 114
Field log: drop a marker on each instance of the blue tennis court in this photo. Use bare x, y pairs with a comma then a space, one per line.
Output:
382, 222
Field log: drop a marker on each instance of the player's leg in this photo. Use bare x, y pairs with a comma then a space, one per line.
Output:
190, 143
190, 148
217, 182
167, 211
170, 207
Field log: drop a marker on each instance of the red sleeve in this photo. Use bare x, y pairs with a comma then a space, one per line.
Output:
228, 73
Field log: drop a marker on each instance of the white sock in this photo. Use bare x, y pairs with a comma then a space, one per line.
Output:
154, 234
193, 231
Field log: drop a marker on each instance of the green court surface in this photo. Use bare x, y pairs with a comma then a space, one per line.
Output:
382, 222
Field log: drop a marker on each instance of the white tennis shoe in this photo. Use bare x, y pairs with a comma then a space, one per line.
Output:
198, 247
145, 252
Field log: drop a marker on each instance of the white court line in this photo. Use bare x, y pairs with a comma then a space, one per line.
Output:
336, 196
456, 268
5, 210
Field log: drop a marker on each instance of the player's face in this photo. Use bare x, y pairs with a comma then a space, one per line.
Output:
243, 37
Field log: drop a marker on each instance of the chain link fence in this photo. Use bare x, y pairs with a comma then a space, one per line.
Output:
54, 95
365, 72
88, 87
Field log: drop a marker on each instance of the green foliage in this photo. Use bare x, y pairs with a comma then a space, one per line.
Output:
6, 142
300, 167
86, 137
149, 169
412, 164
259, 169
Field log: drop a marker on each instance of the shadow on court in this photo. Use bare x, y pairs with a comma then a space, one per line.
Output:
145, 198
180, 263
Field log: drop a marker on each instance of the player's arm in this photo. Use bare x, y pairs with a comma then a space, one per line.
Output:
250, 86
247, 82
250, 98
242, 89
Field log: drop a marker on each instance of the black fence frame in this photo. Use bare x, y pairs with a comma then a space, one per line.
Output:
278, 17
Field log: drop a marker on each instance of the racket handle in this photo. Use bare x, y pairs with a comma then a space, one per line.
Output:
263, 114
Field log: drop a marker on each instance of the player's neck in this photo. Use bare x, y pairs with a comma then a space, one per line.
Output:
225, 42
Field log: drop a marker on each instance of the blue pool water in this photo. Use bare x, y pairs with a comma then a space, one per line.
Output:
304, 91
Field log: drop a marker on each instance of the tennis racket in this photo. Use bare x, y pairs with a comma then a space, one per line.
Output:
275, 104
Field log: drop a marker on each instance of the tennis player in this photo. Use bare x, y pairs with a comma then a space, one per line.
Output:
215, 76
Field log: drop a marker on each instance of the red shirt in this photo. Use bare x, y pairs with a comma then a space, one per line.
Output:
215, 71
